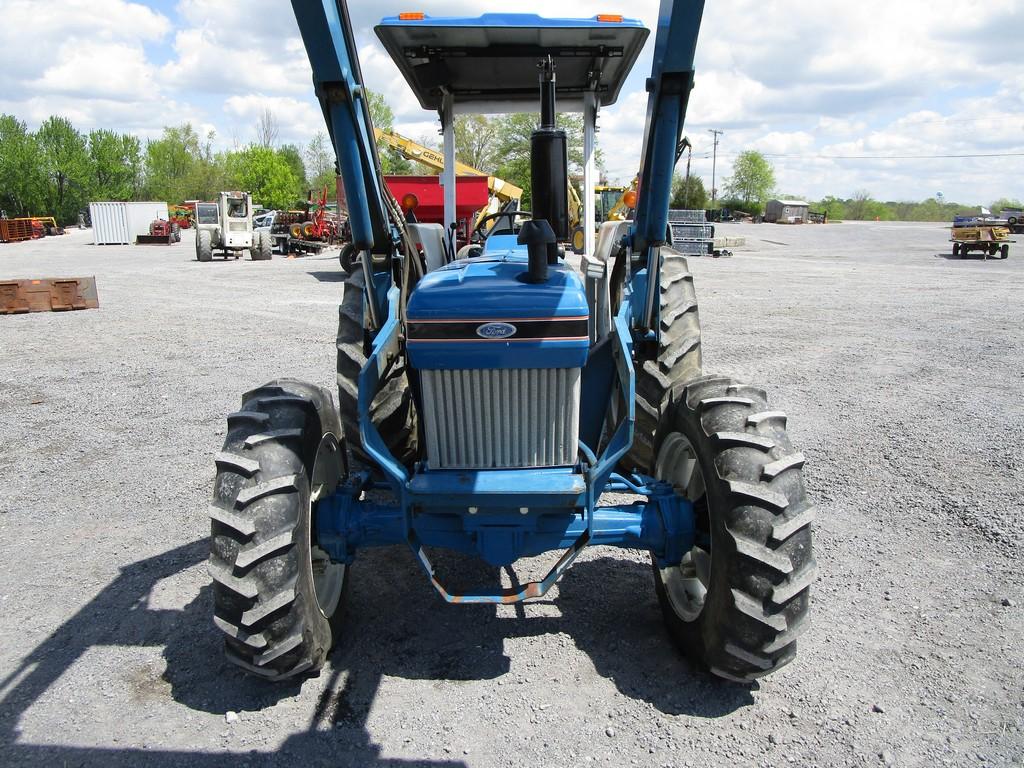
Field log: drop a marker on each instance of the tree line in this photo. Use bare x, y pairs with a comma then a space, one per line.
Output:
57, 170
752, 184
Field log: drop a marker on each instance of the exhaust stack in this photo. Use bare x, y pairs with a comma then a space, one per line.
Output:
549, 160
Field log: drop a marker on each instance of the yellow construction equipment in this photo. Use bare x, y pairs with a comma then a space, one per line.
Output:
615, 202
576, 220
503, 190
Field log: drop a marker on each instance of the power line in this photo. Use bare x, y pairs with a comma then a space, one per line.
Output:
714, 163
887, 157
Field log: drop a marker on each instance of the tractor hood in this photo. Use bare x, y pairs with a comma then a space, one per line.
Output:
481, 313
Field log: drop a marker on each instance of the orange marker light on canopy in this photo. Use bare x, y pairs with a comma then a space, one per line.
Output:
409, 202
610, 18
414, 16
629, 199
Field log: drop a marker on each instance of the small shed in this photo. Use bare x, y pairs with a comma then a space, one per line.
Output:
786, 211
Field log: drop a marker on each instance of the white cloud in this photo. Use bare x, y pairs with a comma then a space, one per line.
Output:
800, 83
36, 36
118, 71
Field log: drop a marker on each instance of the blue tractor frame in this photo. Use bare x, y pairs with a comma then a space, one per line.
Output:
505, 514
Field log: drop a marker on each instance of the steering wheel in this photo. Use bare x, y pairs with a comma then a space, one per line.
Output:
479, 232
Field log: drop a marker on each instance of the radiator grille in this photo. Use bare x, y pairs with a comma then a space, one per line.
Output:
501, 418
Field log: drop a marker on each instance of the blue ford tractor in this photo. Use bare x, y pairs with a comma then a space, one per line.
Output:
488, 397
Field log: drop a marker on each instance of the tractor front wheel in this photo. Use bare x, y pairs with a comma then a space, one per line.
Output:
679, 359
392, 411
204, 245
277, 596
739, 599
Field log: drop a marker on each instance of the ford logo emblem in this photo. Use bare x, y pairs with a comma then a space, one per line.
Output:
495, 330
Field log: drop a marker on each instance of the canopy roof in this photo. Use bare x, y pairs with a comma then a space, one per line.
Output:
492, 60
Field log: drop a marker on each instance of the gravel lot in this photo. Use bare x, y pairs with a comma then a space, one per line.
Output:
903, 374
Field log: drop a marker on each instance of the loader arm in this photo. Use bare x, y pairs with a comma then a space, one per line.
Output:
338, 82
669, 86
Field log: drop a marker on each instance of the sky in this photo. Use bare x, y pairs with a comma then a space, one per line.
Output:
887, 96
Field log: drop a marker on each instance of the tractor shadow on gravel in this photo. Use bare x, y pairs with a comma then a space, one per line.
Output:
608, 611
337, 276
974, 256
396, 626
196, 676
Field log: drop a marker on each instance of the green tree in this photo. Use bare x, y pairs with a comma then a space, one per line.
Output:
291, 155
66, 165
476, 144
171, 164
264, 173
22, 182
207, 176
391, 161
690, 196
513, 147
752, 180
381, 114
833, 207
857, 207
319, 157
1005, 203
115, 165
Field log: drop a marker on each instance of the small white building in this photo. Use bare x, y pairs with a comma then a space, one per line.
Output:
786, 211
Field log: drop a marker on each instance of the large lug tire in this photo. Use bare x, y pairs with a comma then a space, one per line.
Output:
740, 598
204, 245
277, 597
260, 250
679, 359
393, 411
176, 231
1004, 251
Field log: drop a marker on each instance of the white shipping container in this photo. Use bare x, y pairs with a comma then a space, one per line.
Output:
121, 223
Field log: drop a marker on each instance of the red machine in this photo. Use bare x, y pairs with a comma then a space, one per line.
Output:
160, 233
160, 228
311, 227
471, 194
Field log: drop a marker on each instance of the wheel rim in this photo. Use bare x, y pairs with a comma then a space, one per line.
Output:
578, 239
686, 584
328, 578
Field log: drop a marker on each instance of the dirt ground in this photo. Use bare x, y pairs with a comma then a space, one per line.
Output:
902, 371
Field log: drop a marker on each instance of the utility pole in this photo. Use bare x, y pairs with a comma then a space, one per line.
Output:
689, 157
714, 163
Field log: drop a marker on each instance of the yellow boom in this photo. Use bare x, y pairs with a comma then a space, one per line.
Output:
431, 158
